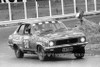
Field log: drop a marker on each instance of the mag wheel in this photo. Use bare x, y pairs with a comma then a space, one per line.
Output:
41, 54
19, 53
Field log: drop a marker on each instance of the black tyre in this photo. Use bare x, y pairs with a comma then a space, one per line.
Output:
41, 54
19, 53
79, 55
79, 52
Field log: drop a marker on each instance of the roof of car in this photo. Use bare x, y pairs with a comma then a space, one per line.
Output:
34, 21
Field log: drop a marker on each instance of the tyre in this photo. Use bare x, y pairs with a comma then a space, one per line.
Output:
79, 53
41, 54
19, 53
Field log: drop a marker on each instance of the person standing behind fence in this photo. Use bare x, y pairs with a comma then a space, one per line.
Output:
80, 17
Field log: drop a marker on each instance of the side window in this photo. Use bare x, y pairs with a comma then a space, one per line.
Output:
21, 29
27, 29
34, 29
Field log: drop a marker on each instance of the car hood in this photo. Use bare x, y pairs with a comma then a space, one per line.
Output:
63, 35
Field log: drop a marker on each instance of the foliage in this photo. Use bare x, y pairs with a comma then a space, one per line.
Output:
91, 30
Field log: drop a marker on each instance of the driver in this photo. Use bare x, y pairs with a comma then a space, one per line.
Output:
27, 29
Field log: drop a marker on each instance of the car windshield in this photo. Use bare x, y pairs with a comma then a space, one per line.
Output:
47, 28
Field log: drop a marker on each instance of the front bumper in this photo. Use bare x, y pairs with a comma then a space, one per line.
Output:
64, 48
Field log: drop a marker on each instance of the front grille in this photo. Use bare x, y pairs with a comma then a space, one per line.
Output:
67, 41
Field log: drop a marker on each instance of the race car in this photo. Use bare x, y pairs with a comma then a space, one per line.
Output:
46, 39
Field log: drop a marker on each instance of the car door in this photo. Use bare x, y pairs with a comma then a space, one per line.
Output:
27, 37
18, 36
34, 37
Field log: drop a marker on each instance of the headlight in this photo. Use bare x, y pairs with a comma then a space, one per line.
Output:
82, 39
51, 43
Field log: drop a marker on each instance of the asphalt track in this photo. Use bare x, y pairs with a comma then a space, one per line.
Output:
8, 59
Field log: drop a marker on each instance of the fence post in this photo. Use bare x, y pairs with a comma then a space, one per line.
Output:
2, 1
50, 8
74, 6
95, 5
37, 12
25, 10
86, 7
62, 5
15, 1
9, 8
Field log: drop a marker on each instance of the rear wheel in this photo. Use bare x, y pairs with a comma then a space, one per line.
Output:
41, 54
19, 53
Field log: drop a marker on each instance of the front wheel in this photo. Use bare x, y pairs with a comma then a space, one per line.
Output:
19, 53
41, 54
79, 52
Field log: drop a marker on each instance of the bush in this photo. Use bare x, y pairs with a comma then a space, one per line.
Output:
91, 30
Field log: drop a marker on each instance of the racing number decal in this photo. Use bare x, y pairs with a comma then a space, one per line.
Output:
26, 43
